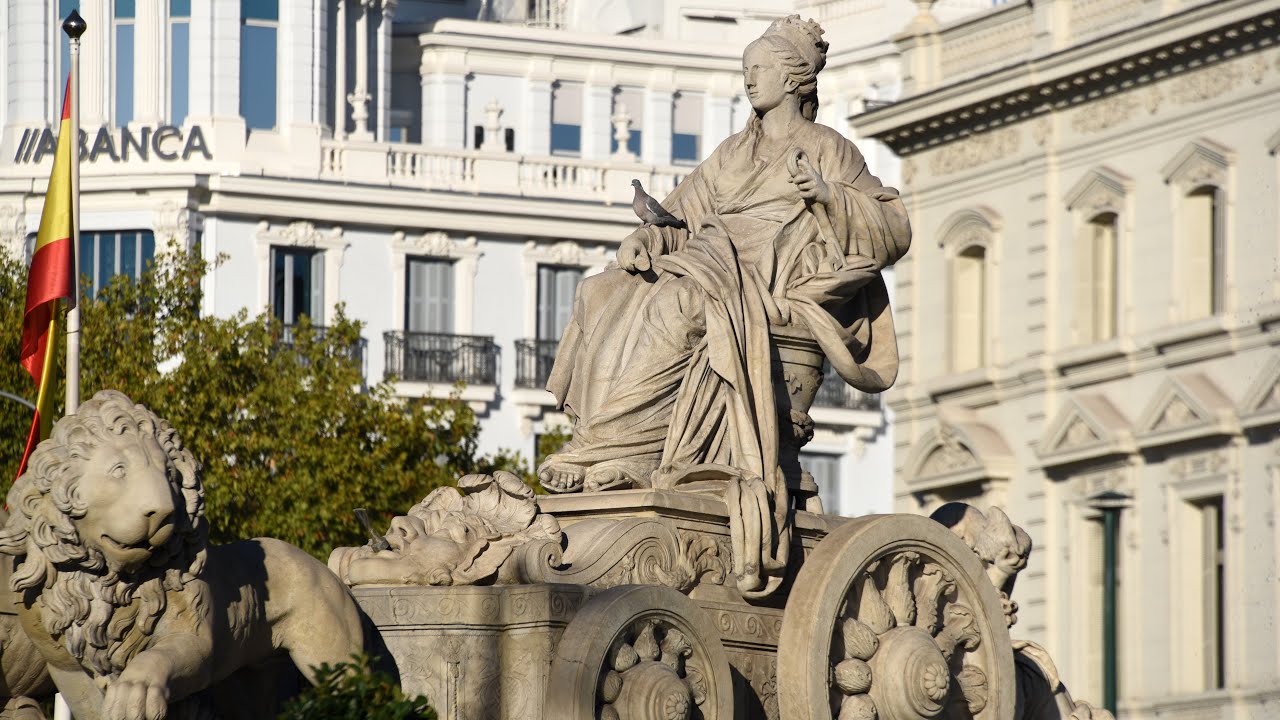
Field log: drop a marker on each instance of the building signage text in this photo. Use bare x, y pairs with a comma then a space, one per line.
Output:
166, 143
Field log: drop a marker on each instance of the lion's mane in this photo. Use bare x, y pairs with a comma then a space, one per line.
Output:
85, 601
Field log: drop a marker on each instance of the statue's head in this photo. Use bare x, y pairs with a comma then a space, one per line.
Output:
111, 491
784, 61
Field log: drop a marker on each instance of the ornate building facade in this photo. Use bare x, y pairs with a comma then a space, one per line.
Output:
447, 169
1090, 326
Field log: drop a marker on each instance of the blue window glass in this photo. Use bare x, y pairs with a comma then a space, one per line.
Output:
179, 8
125, 9
258, 76
124, 73
684, 148
179, 70
104, 255
106, 260
566, 139
88, 260
260, 9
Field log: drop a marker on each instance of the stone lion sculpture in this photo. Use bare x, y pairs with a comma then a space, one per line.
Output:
133, 612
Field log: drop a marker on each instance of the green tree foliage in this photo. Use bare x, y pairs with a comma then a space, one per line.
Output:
351, 691
290, 438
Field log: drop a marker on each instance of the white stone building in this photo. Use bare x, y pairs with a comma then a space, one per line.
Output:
1092, 308
447, 169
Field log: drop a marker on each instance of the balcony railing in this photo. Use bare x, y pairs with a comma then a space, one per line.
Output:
836, 393
358, 351
534, 359
441, 358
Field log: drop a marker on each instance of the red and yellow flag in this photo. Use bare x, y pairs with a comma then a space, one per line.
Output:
51, 279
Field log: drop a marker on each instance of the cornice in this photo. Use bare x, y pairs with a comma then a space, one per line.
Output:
1168, 47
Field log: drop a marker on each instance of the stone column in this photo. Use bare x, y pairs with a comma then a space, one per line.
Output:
536, 137
214, 81
384, 69
95, 64
148, 60
444, 95
597, 102
359, 97
655, 144
717, 119
340, 72
26, 71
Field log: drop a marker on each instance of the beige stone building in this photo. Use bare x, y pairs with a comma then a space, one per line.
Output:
1092, 306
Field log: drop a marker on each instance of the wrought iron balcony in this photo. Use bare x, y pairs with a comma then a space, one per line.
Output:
358, 351
534, 359
836, 393
441, 358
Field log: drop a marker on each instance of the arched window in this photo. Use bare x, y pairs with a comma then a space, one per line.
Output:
1096, 279
968, 308
1202, 221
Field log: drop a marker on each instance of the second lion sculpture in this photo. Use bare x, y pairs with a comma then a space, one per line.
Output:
135, 615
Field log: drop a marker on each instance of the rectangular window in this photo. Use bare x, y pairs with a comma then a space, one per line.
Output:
1212, 585
686, 129
124, 15
825, 471
632, 101
179, 59
106, 254
297, 284
566, 119
556, 289
429, 296
260, 21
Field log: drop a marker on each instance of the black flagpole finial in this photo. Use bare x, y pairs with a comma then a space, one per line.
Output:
74, 26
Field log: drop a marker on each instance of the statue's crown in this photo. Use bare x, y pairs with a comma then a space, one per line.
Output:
804, 35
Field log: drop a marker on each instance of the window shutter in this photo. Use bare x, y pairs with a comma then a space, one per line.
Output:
566, 289
317, 288
430, 296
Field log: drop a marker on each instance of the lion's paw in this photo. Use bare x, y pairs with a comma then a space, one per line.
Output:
135, 699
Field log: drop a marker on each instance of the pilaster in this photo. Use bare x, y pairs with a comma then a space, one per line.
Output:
96, 77
148, 61
26, 68
655, 144
444, 94
597, 129
536, 138
717, 121
383, 93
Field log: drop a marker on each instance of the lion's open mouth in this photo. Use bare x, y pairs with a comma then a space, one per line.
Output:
157, 540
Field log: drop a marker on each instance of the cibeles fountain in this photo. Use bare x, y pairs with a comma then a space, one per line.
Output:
680, 564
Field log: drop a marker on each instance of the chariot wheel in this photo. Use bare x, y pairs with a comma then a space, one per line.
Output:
639, 652
892, 618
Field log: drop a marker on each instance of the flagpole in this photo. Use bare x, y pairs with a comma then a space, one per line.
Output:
74, 26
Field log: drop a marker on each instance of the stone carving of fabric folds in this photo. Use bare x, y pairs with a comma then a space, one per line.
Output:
669, 370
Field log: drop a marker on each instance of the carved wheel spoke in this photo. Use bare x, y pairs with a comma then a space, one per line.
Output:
901, 624
639, 652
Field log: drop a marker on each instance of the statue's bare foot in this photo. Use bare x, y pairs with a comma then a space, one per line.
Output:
607, 477
558, 477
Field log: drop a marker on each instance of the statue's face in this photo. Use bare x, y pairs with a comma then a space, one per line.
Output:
766, 81
130, 501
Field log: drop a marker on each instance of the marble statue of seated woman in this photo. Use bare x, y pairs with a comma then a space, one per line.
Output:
665, 365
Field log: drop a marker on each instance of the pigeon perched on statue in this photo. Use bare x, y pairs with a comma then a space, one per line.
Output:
651, 212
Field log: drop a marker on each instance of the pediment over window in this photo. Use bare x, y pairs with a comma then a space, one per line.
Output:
1087, 427
1261, 404
1200, 162
972, 226
1186, 407
958, 452
1100, 190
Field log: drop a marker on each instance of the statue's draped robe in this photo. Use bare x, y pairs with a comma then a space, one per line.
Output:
670, 369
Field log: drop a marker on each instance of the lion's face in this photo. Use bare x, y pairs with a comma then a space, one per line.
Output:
130, 502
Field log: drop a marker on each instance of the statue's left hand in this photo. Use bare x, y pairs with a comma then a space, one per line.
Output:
807, 180
138, 694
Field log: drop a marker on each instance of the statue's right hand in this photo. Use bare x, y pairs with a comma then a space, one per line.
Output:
633, 256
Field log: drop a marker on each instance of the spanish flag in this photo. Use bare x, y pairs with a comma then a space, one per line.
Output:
50, 280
